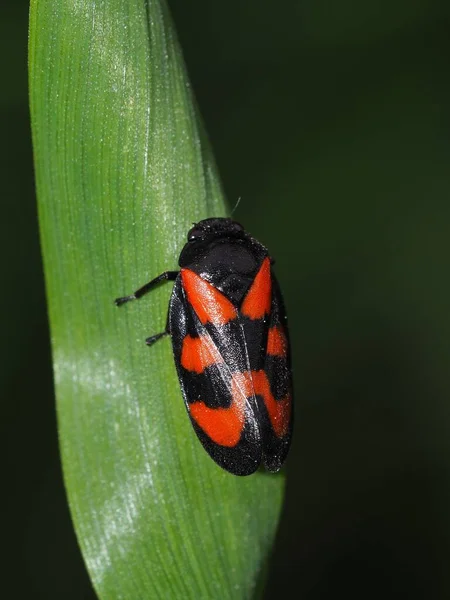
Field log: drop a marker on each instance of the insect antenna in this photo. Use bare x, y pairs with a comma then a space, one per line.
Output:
236, 205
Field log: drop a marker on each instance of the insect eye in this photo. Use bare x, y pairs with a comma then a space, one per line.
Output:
194, 234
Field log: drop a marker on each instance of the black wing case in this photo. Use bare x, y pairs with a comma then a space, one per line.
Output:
276, 410
210, 379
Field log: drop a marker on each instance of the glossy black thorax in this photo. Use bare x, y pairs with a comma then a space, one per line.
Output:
221, 252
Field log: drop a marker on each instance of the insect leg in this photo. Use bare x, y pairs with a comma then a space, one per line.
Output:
166, 276
154, 338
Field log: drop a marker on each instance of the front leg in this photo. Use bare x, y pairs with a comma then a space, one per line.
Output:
166, 276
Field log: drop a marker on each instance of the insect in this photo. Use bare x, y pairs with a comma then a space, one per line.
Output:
230, 342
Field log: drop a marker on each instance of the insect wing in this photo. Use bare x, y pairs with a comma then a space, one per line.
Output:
263, 320
212, 364
274, 386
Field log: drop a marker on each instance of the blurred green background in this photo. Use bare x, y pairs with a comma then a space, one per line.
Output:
331, 121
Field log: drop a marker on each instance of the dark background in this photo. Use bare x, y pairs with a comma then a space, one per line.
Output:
331, 121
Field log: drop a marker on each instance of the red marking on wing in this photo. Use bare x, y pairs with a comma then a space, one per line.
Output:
199, 353
279, 410
209, 304
224, 425
276, 342
258, 300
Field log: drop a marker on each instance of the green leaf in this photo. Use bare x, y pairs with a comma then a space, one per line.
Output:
122, 169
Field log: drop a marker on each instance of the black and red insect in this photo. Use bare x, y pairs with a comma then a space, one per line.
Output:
230, 342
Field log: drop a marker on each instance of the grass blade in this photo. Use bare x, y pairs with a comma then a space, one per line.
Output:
122, 169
